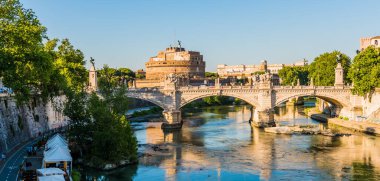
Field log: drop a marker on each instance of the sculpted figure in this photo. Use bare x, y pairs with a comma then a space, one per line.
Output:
92, 61
172, 78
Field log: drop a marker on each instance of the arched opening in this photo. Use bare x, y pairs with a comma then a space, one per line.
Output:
216, 107
297, 109
141, 110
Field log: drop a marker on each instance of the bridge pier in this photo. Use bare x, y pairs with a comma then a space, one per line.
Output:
173, 120
263, 118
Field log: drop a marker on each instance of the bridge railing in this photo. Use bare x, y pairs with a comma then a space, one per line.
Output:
204, 87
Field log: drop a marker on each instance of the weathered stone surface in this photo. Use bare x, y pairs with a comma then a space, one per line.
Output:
19, 123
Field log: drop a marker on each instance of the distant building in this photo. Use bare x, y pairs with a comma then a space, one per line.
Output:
175, 60
369, 41
239, 71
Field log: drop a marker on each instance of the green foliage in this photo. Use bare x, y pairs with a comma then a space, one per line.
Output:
23, 61
113, 138
29, 66
211, 75
76, 175
290, 75
365, 71
70, 64
81, 125
99, 126
111, 77
154, 110
322, 70
140, 76
214, 101
258, 73
125, 74
106, 80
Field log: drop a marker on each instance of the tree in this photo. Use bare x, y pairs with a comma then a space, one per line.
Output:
258, 73
70, 63
24, 64
101, 122
81, 125
291, 75
211, 75
124, 75
114, 139
365, 71
322, 70
107, 80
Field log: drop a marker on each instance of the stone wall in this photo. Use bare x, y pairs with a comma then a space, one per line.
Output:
19, 123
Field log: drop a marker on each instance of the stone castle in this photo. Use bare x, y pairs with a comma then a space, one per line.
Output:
173, 60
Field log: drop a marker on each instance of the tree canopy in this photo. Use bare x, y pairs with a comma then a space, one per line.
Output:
27, 65
322, 70
115, 77
291, 75
33, 65
365, 71
111, 138
211, 75
23, 62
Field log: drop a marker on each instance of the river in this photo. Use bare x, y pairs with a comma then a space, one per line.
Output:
217, 143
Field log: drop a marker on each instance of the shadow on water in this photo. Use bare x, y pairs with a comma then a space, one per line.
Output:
126, 174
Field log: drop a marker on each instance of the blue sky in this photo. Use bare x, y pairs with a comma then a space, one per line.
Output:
125, 33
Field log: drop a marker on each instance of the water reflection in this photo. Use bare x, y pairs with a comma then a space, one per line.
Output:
218, 144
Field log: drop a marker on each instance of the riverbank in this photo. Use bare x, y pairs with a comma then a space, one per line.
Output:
365, 127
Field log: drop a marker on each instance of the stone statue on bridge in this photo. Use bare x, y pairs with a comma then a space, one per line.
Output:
172, 78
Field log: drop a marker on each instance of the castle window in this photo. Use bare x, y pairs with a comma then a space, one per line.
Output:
376, 43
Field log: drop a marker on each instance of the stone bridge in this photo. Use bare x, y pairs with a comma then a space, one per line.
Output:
262, 96
175, 92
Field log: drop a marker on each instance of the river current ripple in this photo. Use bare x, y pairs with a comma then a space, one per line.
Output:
217, 143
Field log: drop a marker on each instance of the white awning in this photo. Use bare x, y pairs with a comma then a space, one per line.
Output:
57, 154
56, 139
50, 171
52, 178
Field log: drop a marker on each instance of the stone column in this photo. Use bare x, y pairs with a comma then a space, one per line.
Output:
263, 118
93, 80
339, 76
217, 82
172, 120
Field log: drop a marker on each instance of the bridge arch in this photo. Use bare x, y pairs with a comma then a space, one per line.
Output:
157, 103
330, 99
188, 99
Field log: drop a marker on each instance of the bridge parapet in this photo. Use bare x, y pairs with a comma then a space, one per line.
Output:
263, 98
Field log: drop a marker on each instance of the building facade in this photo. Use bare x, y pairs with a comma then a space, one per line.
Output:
239, 71
369, 41
175, 60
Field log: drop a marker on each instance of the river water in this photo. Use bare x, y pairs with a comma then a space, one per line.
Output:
217, 143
